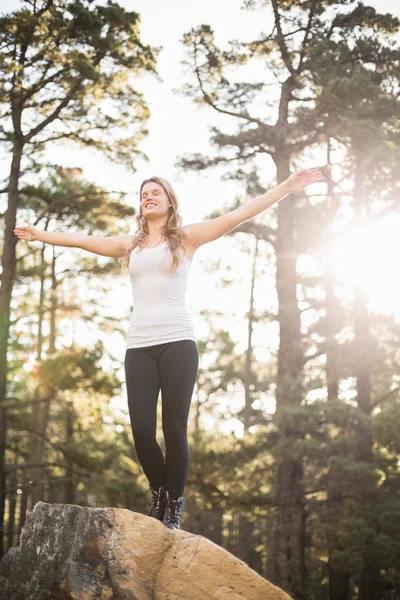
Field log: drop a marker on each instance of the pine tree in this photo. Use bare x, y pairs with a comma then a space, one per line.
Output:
65, 70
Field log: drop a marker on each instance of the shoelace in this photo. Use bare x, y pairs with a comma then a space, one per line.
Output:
157, 494
172, 510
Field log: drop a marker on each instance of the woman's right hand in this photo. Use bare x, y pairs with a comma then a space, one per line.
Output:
26, 233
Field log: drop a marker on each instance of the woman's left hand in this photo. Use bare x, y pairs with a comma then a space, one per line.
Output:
301, 179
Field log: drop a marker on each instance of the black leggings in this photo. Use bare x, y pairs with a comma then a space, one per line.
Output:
171, 367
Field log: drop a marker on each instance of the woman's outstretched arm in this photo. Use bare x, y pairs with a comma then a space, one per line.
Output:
207, 231
112, 246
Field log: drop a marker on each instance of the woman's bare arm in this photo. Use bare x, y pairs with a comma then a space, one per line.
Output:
112, 246
208, 231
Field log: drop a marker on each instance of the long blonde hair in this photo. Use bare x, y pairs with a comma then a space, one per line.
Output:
172, 231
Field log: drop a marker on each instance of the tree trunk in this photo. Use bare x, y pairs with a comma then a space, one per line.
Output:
40, 413
7, 278
332, 350
245, 528
36, 458
69, 488
196, 433
370, 580
370, 587
362, 367
24, 503
244, 539
372, 583
248, 378
286, 564
53, 306
11, 509
41, 308
339, 581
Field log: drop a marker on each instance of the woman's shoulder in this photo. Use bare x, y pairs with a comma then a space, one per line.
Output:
128, 239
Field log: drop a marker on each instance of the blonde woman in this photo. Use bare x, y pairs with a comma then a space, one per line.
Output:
161, 349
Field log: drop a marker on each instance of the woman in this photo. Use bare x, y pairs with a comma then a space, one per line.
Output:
161, 350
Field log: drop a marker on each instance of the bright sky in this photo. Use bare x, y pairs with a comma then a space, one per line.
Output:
176, 127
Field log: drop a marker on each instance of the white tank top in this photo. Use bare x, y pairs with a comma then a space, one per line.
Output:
160, 313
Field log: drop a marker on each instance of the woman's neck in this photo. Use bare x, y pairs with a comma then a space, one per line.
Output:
155, 229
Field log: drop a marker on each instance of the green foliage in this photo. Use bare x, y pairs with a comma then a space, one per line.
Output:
77, 368
74, 62
385, 427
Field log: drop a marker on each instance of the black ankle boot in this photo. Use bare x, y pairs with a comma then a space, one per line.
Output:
173, 512
157, 510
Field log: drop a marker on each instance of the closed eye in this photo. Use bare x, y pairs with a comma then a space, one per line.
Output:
154, 192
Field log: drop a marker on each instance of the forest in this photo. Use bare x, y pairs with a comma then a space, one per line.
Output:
294, 431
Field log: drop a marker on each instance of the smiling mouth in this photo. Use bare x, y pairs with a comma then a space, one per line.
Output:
150, 204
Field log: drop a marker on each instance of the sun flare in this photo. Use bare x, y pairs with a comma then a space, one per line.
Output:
368, 257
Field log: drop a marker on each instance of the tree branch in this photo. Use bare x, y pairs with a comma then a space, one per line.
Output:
308, 28
55, 113
281, 40
52, 444
19, 403
240, 115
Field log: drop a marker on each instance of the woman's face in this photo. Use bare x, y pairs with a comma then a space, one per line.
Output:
154, 201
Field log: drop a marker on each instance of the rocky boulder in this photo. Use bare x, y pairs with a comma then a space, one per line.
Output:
68, 552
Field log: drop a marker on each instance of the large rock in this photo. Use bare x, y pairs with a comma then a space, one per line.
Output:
69, 552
